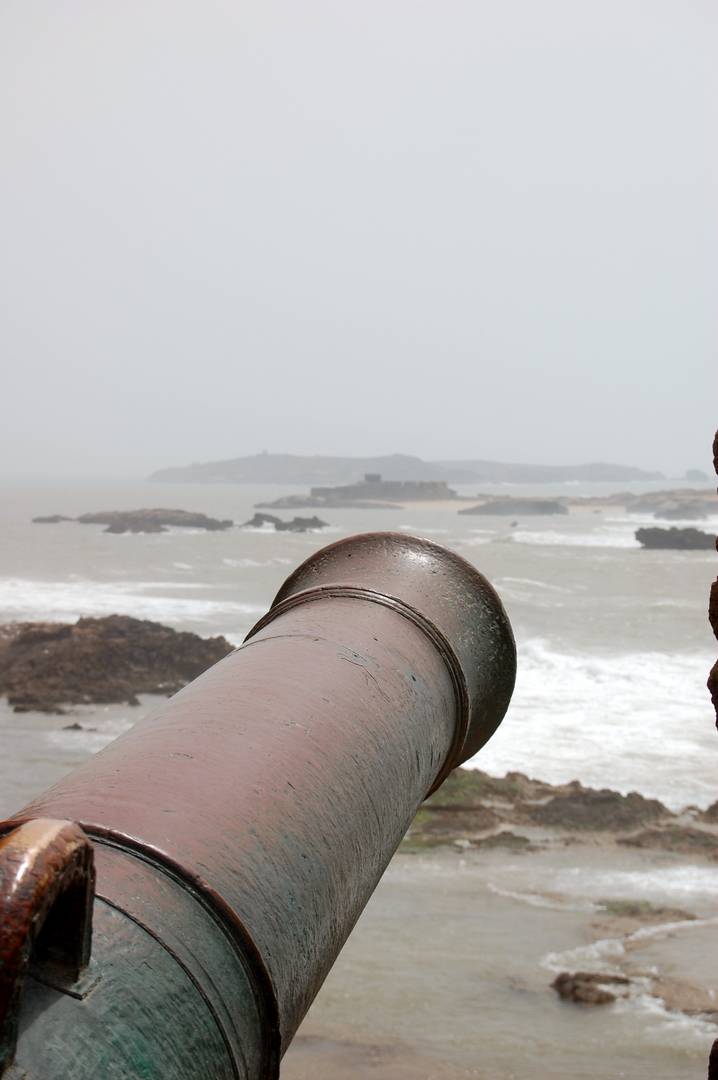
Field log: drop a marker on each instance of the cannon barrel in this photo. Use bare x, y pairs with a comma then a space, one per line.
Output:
219, 853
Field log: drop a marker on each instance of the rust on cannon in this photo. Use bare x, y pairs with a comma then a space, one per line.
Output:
47, 881
240, 830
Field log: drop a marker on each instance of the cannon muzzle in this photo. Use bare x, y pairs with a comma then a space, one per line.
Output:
171, 908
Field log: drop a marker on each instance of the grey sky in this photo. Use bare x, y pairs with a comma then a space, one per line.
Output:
461, 229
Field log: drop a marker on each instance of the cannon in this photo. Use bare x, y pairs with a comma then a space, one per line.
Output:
171, 908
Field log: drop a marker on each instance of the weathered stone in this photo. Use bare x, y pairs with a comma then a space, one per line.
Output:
297, 524
495, 505
675, 539
604, 810
587, 987
44, 666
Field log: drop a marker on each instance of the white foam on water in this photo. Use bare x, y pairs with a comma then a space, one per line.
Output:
667, 885
423, 530
601, 955
630, 722
251, 564
708, 524
474, 541
610, 538
29, 600
598, 956
541, 900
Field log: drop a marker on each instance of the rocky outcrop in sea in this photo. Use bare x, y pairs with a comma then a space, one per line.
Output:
676, 539
512, 506
46, 666
297, 524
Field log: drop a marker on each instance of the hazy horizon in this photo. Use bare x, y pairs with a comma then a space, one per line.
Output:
482, 231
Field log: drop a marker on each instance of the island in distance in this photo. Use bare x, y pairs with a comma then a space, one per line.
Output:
317, 470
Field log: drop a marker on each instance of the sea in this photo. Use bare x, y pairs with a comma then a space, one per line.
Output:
614, 648
614, 645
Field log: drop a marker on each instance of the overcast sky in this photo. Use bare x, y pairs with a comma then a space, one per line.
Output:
476, 228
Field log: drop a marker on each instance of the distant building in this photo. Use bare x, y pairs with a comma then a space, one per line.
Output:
373, 487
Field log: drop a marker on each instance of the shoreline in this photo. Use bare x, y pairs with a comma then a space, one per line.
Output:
449, 973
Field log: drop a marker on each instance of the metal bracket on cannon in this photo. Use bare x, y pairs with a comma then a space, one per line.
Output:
47, 884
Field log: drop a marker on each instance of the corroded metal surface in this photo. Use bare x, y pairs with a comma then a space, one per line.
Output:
275, 788
46, 891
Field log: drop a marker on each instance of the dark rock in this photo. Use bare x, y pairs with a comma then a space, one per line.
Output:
587, 987
495, 505
470, 805
505, 839
710, 815
297, 524
51, 519
152, 521
679, 838
46, 665
604, 810
260, 520
676, 539
468, 789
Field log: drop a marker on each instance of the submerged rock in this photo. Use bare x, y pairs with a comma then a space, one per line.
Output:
643, 911
495, 505
44, 666
676, 539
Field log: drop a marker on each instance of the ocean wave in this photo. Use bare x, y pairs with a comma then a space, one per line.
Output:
65, 601
423, 530
251, 564
541, 900
633, 721
666, 885
537, 584
610, 538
